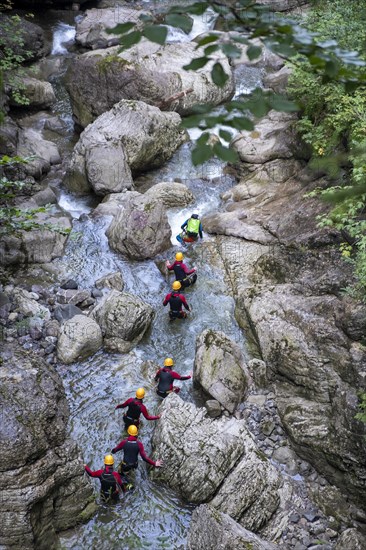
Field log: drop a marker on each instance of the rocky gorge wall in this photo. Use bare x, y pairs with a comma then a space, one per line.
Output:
43, 490
288, 280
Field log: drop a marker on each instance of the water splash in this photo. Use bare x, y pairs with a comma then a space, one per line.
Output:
63, 34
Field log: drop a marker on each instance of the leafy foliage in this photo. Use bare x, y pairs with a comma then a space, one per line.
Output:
333, 123
13, 220
12, 55
245, 21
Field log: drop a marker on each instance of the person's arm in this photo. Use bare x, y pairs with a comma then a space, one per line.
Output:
200, 230
143, 454
90, 473
119, 446
169, 266
166, 299
184, 302
186, 270
146, 414
125, 404
184, 225
119, 480
177, 376
156, 378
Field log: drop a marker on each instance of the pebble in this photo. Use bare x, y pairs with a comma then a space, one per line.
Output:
295, 517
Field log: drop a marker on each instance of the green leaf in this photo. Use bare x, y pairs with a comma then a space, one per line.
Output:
207, 40
201, 154
181, 21
230, 50
202, 140
225, 153
211, 49
130, 39
195, 64
280, 103
156, 33
331, 68
121, 28
253, 52
242, 123
198, 8
224, 134
219, 76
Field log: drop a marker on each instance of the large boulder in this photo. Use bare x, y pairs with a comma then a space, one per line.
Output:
210, 529
171, 194
124, 319
37, 245
146, 72
351, 538
79, 338
129, 138
274, 137
220, 369
42, 481
215, 458
141, 229
24, 38
91, 29
38, 93
43, 153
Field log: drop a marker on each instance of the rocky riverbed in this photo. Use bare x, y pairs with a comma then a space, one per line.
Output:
265, 446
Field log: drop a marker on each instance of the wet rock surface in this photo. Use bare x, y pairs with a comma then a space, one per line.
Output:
42, 484
131, 137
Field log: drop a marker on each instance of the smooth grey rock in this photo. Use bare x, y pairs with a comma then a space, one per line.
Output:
112, 280
72, 296
220, 369
45, 153
79, 338
213, 408
141, 230
274, 137
171, 194
65, 312
146, 72
69, 284
91, 29
39, 94
131, 136
123, 318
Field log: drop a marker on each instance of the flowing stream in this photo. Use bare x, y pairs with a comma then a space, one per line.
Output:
151, 516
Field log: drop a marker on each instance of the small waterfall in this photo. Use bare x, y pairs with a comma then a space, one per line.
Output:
63, 34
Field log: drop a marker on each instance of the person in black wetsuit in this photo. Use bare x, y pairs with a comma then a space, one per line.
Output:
135, 408
176, 301
131, 450
165, 378
185, 276
111, 483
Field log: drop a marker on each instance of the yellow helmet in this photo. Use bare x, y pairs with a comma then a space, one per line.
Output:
168, 362
176, 285
132, 430
179, 256
140, 393
108, 460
